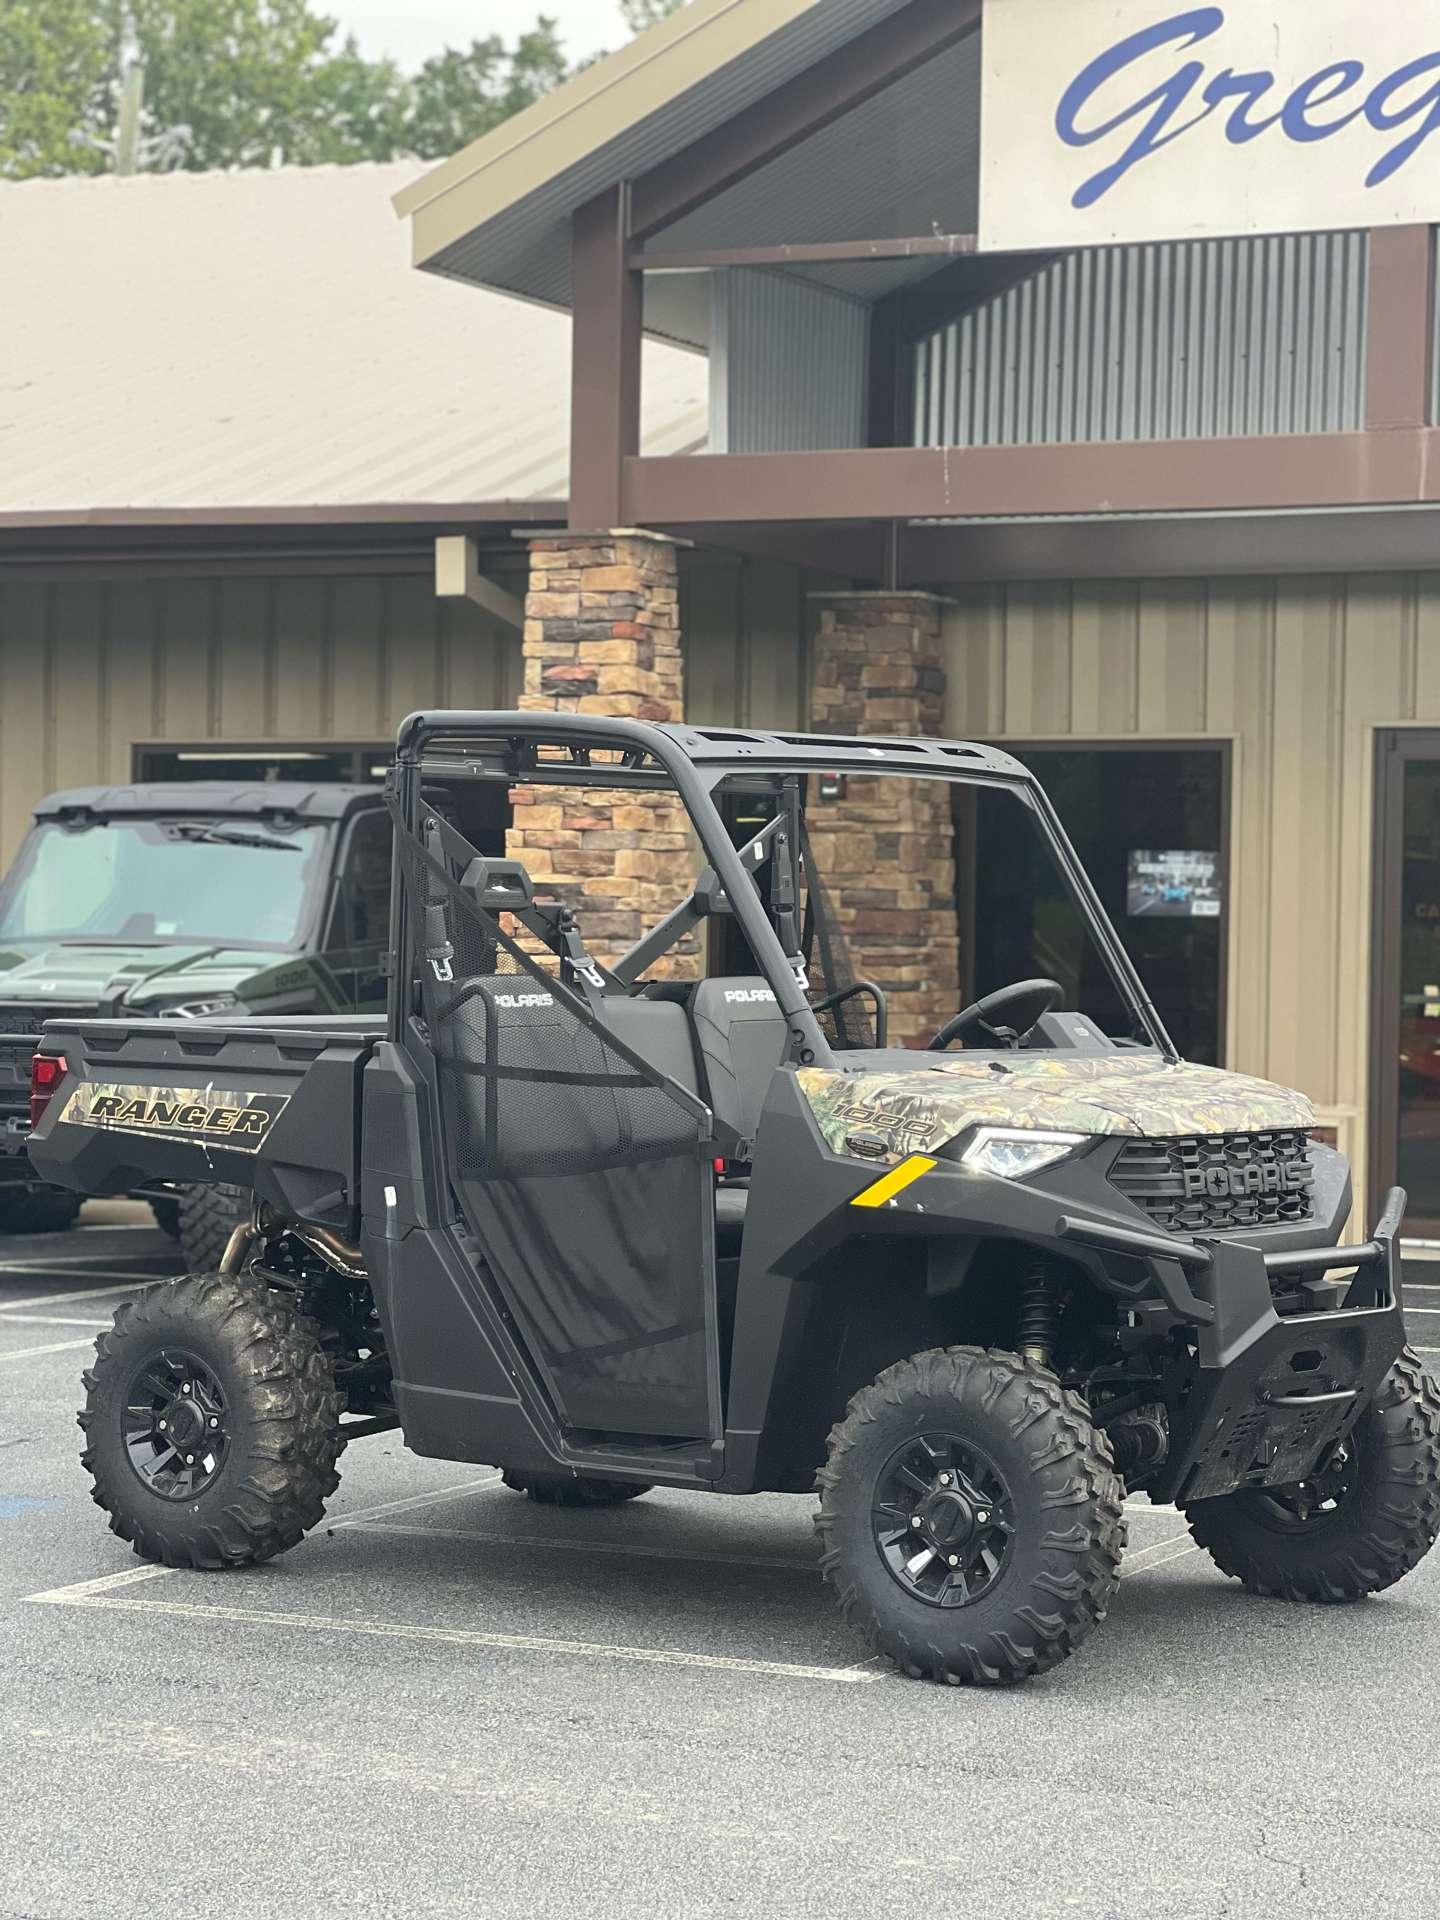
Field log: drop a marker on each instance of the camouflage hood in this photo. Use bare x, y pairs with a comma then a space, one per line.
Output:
917, 1109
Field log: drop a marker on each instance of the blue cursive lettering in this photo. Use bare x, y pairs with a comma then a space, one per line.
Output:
1186, 28
1389, 103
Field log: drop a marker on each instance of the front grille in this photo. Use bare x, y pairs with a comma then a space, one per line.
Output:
1219, 1182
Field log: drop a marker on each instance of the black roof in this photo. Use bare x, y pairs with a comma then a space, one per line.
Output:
305, 799
728, 746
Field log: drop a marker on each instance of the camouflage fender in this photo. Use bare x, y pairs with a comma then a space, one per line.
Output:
917, 1109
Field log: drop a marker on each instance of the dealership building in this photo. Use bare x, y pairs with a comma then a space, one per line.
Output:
891, 366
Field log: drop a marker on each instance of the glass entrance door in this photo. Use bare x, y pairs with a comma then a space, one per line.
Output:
1407, 1003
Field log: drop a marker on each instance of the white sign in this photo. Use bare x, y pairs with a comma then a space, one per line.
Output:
1111, 121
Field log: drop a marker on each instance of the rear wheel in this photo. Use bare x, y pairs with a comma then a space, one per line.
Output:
208, 1217
38, 1212
554, 1490
971, 1517
212, 1423
1361, 1523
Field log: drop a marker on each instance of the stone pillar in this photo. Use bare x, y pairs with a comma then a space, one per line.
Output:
602, 635
887, 850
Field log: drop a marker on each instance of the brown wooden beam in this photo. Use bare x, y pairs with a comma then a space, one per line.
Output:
1400, 327
1139, 476
855, 72
605, 359
942, 246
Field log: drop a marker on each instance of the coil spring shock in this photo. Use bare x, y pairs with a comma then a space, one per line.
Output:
1040, 1309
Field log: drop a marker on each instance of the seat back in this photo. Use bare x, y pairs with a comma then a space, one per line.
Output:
741, 1033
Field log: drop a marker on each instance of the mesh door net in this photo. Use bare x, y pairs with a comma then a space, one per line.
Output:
579, 1167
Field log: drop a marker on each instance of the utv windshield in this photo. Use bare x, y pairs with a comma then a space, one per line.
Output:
220, 882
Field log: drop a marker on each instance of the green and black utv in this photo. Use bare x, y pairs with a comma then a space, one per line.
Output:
606, 1228
184, 900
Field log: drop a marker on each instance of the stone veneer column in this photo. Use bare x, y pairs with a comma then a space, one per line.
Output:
887, 851
602, 635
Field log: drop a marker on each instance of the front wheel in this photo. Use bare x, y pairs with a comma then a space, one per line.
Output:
1362, 1522
212, 1423
971, 1517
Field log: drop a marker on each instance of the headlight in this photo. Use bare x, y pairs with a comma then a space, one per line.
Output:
1014, 1152
202, 1009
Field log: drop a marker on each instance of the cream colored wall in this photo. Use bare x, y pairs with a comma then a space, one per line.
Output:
1298, 673
90, 668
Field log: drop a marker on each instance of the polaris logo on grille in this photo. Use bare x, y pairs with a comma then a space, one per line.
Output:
524, 999
1234, 1183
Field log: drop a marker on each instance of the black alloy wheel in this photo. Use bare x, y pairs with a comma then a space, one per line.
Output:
176, 1433
971, 1519
943, 1520
1362, 1521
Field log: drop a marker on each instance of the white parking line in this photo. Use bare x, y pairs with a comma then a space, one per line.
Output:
435, 1499
60, 1299
594, 1546
1179, 1553
465, 1637
84, 1589
56, 1346
51, 1320
1157, 1546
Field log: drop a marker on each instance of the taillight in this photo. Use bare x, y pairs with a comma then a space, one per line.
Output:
47, 1070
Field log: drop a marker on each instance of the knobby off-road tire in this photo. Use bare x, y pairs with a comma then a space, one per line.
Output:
208, 1217
962, 1432
555, 1491
1379, 1513
167, 1216
38, 1212
247, 1399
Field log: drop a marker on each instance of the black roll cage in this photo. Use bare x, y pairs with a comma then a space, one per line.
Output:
693, 761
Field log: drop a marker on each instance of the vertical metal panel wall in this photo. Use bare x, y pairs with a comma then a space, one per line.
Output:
1298, 673
1188, 339
88, 668
787, 364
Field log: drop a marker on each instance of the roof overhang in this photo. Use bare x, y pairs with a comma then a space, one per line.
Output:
499, 212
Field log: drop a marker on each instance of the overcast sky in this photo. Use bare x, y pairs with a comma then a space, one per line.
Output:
411, 30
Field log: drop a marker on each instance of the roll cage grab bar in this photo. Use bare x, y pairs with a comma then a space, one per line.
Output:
693, 781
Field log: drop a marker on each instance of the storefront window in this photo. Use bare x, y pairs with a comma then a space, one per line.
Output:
1147, 825
1418, 1160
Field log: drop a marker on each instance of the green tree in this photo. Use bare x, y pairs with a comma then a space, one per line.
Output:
640, 14
241, 83
55, 61
457, 96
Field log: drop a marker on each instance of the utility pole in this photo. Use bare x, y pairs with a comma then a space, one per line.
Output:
132, 98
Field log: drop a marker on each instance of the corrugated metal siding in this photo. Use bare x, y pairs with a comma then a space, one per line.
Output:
787, 365
1299, 673
1188, 339
89, 668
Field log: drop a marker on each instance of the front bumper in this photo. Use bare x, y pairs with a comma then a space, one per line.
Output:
1257, 1399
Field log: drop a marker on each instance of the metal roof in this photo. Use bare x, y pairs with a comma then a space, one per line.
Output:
257, 339
324, 801
498, 213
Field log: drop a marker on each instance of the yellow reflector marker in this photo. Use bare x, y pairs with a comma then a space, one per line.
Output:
891, 1183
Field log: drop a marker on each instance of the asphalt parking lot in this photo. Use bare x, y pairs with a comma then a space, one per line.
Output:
451, 1702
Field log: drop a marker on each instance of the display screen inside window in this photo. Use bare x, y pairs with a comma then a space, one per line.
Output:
1147, 828
227, 882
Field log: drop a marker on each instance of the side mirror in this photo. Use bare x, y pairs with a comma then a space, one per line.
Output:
500, 886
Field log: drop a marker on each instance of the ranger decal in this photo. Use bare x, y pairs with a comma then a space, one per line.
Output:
230, 1117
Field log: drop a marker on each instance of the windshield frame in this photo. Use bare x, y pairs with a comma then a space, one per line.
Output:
696, 762
312, 906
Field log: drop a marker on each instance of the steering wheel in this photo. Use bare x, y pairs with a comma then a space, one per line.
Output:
1006, 1015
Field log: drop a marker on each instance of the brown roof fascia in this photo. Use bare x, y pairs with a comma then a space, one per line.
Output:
863, 67
504, 513
1259, 473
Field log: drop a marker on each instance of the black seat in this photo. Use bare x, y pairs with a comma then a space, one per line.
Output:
741, 1035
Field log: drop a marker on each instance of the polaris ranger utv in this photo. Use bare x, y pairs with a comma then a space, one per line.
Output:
184, 900
606, 1227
